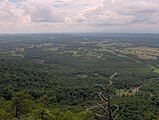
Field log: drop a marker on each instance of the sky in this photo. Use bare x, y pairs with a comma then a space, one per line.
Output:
65, 16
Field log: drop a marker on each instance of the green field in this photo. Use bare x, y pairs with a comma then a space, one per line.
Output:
156, 71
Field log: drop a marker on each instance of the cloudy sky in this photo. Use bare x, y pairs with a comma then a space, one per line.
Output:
43, 16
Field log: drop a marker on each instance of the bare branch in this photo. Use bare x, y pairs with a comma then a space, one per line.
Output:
102, 97
96, 106
116, 117
113, 75
98, 115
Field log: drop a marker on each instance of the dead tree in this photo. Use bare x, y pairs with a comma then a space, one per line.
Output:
106, 106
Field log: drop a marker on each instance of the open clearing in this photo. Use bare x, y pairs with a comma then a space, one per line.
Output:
142, 52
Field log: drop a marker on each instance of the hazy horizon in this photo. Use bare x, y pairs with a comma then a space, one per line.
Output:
84, 32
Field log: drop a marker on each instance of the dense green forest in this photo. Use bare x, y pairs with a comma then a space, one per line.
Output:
62, 76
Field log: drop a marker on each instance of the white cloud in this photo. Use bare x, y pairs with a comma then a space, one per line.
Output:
11, 14
85, 14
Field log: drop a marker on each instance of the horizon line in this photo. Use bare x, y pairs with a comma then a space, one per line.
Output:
18, 33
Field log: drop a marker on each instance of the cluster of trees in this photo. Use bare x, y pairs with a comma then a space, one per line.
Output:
22, 106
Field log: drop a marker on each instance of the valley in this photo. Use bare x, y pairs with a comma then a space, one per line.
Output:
57, 73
